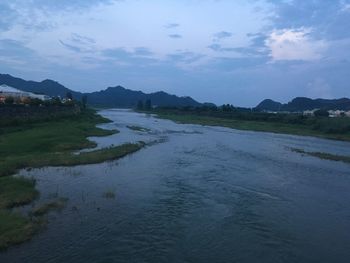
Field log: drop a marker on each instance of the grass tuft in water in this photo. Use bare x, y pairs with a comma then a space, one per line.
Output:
44, 209
325, 156
109, 194
138, 128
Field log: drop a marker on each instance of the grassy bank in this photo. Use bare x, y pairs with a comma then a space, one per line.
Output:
40, 144
264, 126
43, 209
325, 156
138, 128
16, 191
29, 145
15, 228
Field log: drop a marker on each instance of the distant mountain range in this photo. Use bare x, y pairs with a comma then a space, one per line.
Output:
125, 98
301, 104
110, 97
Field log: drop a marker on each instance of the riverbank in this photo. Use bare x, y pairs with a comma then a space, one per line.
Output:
324, 156
251, 125
40, 144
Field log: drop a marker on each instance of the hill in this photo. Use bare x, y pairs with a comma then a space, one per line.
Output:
301, 104
110, 97
269, 105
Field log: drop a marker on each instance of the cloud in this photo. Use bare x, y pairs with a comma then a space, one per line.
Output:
346, 8
329, 18
15, 49
219, 48
143, 51
256, 47
63, 4
14, 55
223, 34
175, 36
79, 44
135, 58
185, 57
172, 25
71, 47
7, 15
295, 44
79, 39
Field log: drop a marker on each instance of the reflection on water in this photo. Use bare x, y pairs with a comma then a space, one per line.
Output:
204, 194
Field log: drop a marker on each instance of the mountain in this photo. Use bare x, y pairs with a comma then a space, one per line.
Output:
125, 98
47, 87
269, 105
111, 97
301, 104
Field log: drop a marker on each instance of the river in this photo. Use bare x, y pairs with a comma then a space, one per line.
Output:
196, 194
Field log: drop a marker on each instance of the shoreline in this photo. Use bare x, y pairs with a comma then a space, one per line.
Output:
245, 125
39, 145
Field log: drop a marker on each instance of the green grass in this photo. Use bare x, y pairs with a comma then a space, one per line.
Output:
325, 156
68, 158
26, 146
40, 144
263, 126
16, 191
15, 229
138, 128
43, 209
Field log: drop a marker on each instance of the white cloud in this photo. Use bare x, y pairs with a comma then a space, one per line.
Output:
295, 44
346, 8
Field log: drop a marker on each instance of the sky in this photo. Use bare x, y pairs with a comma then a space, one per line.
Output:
222, 51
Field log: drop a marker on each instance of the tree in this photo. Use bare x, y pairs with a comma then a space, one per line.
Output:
69, 95
84, 101
56, 101
148, 105
35, 101
321, 113
140, 105
9, 100
227, 107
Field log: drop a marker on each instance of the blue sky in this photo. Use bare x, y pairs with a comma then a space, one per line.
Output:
223, 51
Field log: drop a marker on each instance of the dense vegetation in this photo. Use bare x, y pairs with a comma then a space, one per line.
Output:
246, 119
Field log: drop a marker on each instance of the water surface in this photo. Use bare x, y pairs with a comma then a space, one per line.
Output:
196, 194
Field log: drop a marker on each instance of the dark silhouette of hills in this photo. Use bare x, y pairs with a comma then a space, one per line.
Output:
269, 105
301, 104
111, 97
121, 97
47, 87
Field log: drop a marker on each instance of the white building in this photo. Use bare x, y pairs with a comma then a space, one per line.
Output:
309, 112
336, 113
7, 91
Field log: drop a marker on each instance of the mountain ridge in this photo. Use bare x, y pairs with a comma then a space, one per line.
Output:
117, 96
299, 104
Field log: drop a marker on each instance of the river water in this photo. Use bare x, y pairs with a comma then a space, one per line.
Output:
196, 194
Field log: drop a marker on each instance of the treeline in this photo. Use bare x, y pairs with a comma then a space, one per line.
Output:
15, 115
32, 110
147, 105
54, 101
319, 122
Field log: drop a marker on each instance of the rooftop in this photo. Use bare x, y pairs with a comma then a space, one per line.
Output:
6, 88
